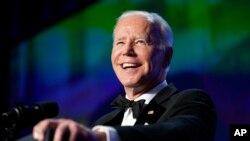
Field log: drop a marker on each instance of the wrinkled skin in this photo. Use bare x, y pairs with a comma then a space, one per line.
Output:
139, 64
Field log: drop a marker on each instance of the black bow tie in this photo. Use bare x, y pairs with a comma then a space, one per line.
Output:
123, 103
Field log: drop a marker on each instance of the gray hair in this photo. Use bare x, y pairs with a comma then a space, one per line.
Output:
162, 31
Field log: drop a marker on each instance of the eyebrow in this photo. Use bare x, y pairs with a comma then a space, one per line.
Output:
120, 38
136, 38
141, 39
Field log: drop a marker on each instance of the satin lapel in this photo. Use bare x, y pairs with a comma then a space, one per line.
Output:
150, 113
111, 119
153, 111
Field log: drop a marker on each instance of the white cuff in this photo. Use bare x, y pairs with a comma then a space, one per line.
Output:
110, 132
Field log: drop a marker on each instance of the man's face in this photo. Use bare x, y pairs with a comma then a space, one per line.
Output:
135, 60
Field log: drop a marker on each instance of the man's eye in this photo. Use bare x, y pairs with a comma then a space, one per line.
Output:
119, 43
141, 42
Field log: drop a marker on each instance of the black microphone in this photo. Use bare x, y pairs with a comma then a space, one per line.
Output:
25, 116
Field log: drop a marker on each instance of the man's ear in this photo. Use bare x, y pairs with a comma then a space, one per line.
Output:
168, 57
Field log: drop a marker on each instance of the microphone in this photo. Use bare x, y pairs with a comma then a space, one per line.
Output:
25, 116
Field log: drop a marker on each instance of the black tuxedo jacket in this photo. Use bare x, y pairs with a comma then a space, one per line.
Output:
172, 115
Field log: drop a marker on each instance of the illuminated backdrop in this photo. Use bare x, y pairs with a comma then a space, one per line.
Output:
69, 62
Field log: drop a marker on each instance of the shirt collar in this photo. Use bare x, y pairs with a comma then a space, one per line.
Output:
148, 96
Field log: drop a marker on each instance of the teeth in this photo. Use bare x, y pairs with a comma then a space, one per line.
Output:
127, 65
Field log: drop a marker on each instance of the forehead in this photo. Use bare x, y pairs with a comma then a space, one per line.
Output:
135, 23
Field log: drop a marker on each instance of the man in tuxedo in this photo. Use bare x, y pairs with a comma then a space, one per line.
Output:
151, 109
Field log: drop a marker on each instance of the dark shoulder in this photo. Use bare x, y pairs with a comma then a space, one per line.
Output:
186, 92
193, 94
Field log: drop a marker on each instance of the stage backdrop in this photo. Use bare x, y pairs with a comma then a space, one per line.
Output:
69, 61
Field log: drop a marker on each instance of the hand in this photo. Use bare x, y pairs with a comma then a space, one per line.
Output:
61, 127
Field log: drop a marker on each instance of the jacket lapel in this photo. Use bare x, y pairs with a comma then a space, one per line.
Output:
113, 118
150, 113
153, 111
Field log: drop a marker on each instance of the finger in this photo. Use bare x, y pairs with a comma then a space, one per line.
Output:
39, 130
62, 130
77, 132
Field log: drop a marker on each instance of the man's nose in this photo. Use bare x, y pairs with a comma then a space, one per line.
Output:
129, 50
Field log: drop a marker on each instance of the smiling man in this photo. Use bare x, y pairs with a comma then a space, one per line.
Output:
151, 109
138, 60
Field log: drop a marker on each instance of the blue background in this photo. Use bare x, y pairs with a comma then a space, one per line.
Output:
61, 51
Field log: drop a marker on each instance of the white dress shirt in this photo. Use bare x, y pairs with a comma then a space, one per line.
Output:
128, 119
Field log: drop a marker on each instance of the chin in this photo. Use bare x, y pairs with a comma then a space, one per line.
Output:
129, 84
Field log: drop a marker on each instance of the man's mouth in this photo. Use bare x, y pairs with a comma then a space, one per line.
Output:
129, 65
